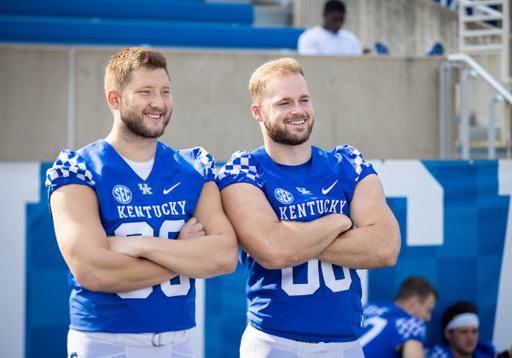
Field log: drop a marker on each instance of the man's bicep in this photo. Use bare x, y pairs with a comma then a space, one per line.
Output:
249, 211
209, 211
77, 222
368, 206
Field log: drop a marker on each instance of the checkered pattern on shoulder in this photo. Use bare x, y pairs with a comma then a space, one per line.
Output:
437, 352
207, 162
242, 167
201, 160
353, 156
411, 328
69, 165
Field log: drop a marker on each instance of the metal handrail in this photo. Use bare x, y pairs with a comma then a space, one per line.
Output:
460, 57
445, 110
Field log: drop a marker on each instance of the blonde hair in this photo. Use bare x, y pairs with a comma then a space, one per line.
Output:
121, 65
269, 71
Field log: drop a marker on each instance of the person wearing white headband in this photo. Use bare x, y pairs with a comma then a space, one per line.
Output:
461, 330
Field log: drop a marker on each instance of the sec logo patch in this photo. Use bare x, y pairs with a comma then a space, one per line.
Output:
122, 194
284, 196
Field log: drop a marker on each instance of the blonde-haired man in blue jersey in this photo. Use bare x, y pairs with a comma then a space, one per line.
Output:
137, 222
305, 220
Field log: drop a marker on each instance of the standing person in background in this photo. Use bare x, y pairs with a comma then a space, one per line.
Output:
136, 222
460, 327
394, 330
330, 39
305, 219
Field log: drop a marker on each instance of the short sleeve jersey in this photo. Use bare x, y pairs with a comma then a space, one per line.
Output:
319, 41
387, 326
315, 301
482, 350
158, 206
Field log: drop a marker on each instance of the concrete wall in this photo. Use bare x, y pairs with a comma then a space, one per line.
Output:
385, 107
407, 27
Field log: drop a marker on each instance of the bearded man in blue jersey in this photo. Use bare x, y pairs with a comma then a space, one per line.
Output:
305, 220
136, 222
397, 329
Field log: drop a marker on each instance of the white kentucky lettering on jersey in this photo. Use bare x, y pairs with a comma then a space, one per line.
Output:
149, 211
314, 207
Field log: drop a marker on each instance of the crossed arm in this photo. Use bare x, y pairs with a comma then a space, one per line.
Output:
96, 266
376, 241
275, 245
204, 249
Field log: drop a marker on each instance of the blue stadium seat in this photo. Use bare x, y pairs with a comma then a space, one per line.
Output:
436, 49
380, 49
133, 9
68, 30
135, 22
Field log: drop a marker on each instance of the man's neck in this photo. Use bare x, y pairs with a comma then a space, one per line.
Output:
132, 147
404, 305
330, 30
288, 154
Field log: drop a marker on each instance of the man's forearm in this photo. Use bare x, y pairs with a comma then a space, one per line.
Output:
292, 243
364, 248
114, 272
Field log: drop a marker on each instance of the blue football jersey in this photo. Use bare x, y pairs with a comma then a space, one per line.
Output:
158, 206
315, 301
482, 350
387, 327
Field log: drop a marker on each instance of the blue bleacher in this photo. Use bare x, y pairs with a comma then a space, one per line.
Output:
136, 22
133, 10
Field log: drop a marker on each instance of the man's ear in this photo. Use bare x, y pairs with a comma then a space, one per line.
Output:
113, 100
447, 334
256, 112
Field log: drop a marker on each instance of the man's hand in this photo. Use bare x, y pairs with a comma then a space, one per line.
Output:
191, 229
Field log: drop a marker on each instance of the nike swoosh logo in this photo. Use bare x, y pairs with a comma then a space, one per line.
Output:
167, 191
325, 191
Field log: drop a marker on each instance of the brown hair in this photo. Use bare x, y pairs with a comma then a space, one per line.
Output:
416, 286
121, 65
269, 71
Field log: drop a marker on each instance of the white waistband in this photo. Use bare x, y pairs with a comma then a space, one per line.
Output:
138, 339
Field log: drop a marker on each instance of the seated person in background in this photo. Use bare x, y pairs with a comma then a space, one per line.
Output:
330, 38
398, 329
460, 327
